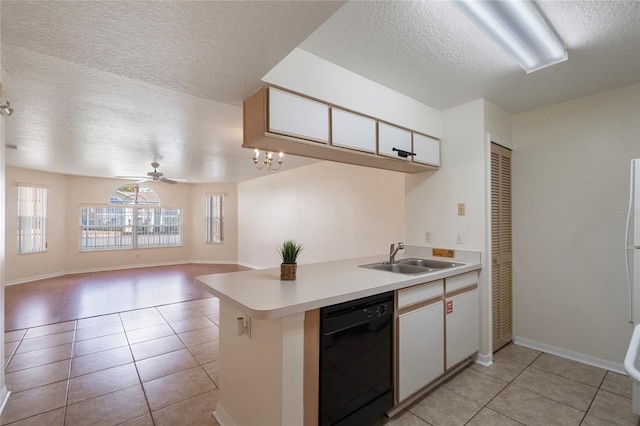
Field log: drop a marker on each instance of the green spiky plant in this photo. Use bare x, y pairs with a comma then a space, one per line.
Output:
289, 251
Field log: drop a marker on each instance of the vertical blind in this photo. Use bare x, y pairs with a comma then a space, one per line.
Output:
32, 219
213, 218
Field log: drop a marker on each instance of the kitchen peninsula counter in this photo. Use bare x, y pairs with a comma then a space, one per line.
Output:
268, 375
260, 294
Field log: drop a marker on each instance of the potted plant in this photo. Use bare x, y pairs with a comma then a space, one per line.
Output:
289, 251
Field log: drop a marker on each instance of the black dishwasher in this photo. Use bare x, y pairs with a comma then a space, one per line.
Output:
356, 380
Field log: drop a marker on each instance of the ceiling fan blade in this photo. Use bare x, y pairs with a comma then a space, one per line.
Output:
167, 180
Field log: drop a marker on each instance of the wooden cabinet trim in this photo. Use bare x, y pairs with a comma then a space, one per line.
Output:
257, 136
311, 367
459, 291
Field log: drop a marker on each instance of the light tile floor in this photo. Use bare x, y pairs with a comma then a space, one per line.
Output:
527, 387
155, 366
159, 366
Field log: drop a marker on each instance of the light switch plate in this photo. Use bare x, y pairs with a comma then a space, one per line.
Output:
459, 237
461, 209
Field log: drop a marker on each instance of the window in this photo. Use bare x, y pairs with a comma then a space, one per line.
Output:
32, 219
213, 218
132, 220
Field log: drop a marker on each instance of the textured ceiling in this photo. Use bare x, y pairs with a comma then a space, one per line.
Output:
430, 51
104, 88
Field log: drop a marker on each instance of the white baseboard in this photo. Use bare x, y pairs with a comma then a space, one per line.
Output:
4, 397
248, 265
484, 360
35, 278
214, 262
119, 268
222, 417
572, 355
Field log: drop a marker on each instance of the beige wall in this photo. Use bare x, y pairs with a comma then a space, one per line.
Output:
87, 190
214, 253
53, 261
66, 195
336, 210
570, 189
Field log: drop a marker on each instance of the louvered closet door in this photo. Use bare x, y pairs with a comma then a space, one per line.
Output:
501, 282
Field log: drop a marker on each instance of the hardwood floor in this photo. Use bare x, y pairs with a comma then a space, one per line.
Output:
72, 297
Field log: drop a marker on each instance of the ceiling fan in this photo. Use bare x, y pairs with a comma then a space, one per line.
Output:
154, 176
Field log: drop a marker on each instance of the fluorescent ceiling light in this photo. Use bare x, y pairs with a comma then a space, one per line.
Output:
518, 28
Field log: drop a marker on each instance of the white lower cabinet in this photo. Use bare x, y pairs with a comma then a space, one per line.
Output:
436, 329
420, 348
463, 331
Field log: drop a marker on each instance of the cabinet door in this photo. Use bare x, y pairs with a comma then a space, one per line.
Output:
420, 348
353, 131
427, 149
390, 137
463, 331
299, 117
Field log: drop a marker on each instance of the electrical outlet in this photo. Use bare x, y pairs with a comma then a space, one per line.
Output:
427, 236
460, 209
459, 237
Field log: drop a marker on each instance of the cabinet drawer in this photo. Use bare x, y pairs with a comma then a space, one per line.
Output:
419, 293
461, 281
296, 116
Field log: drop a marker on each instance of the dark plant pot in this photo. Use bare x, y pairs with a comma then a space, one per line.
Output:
288, 271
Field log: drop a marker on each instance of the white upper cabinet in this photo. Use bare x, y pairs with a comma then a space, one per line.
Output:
390, 137
297, 116
353, 131
278, 120
427, 150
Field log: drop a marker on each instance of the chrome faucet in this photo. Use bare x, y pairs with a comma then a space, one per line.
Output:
393, 250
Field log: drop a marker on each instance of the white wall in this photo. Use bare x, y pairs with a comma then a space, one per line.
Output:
432, 197
570, 189
201, 252
335, 210
4, 393
65, 196
311, 75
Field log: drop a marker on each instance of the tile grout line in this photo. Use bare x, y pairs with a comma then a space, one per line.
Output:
503, 389
66, 395
146, 399
72, 357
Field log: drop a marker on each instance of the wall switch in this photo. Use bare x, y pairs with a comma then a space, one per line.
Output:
460, 209
459, 237
427, 236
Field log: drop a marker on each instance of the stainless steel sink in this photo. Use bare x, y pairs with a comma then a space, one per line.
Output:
412, 266
429, 263
399, 268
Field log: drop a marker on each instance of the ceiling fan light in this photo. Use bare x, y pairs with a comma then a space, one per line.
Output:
519, 29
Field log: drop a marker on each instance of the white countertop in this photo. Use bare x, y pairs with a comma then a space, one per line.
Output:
261, 295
